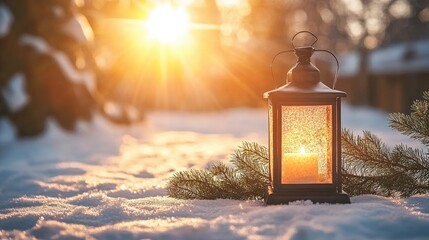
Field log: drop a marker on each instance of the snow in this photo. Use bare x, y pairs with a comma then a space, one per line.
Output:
14, 93
349, 64
7, 131
401, 58
6, 20
359, 119
85, 77
107, 182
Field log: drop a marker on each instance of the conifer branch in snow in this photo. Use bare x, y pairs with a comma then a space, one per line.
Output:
369, 165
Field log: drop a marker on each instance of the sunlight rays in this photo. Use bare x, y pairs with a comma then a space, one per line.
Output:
167, 24
177, 63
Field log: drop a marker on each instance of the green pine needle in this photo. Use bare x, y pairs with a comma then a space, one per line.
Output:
247, 179
370, 167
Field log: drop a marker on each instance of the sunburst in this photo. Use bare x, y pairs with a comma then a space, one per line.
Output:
167, 24
169, 59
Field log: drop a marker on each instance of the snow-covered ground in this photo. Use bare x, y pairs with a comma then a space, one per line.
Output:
107, 182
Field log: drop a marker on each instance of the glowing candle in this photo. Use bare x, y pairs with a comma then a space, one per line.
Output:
300, 167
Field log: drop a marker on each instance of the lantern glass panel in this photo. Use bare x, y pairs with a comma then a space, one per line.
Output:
306, 144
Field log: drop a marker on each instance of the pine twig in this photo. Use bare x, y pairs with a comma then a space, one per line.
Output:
246, 180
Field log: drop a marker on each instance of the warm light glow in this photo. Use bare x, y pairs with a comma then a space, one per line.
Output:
300, 167
306, 144
167, 24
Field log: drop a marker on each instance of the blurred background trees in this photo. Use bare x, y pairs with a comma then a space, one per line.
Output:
44, 71
65, 60
48, 65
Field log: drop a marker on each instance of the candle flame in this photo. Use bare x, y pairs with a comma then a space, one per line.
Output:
302, 149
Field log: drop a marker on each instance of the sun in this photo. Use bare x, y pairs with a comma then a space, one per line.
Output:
167, 24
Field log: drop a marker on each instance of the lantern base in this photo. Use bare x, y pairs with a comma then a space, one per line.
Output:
275, 198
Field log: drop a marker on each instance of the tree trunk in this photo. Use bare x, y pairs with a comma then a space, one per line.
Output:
362, 79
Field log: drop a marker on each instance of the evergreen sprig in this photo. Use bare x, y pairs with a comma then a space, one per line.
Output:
415, 125
369, 165
246, 179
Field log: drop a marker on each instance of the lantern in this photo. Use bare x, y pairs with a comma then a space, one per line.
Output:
305, 136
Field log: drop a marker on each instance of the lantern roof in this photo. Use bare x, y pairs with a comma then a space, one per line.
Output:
304, 90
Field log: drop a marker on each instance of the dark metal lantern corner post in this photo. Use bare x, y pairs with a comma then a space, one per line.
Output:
305, 137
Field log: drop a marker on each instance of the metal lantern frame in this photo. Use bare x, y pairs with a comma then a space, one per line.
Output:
304, 89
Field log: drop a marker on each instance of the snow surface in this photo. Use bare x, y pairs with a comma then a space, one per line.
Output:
107, 182
6, 19
14, 92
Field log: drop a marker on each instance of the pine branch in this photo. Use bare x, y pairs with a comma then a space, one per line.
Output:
370, 167
193, 184
248, 179
415, 125
377, 185
256, 150
252, 159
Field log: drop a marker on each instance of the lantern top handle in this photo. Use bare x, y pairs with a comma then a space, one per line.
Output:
312, 44
315, 50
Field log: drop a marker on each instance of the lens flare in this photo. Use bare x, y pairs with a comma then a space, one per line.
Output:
167, 24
